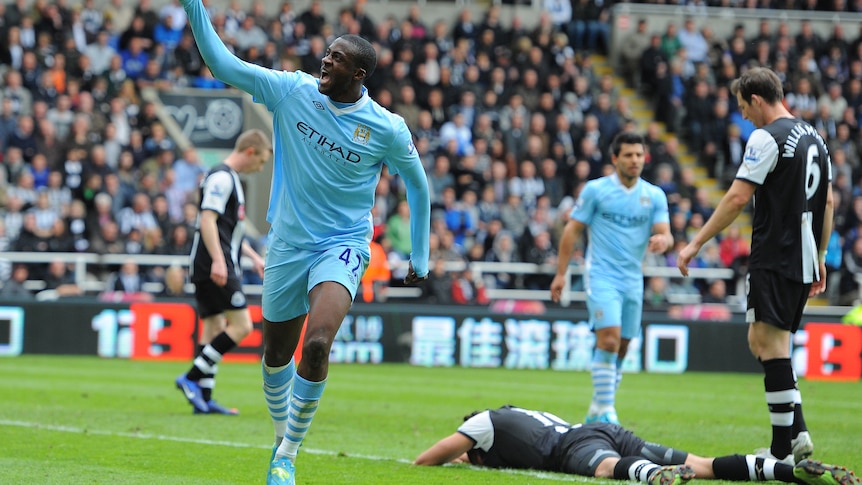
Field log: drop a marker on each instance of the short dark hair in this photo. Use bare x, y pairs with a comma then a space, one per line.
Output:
627, 138
760, 81
473, 414
364, 54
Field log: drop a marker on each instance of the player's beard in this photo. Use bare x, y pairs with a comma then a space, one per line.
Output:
630, 175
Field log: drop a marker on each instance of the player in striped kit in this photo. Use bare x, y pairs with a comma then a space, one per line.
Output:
786, 169
513, 437
216, 268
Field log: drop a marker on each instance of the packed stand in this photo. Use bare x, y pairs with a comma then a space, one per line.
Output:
689, 68
510, 121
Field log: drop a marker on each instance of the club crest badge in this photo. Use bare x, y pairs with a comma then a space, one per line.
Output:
362, 134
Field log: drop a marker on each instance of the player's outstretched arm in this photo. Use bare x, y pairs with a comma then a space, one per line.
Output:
224, 65
449, 449
731, 205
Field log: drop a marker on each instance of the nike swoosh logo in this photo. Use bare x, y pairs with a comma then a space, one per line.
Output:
188, 392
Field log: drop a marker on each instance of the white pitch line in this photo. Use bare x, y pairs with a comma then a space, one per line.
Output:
235, 444
179, 439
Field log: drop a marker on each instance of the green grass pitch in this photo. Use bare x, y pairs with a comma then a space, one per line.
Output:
81, 420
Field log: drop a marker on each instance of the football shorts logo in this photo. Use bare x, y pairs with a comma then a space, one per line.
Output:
237, 299
361, 134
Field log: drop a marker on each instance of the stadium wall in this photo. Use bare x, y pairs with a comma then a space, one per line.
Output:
432, 10
510, 334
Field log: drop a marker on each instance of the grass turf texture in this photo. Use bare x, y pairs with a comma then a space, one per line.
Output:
81, 420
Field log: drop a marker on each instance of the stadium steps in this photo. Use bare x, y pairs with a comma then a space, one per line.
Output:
643, 115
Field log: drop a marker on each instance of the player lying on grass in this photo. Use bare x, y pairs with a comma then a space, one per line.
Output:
511, 437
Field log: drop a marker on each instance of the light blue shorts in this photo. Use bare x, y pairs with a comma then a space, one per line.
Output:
292, 272
613, 307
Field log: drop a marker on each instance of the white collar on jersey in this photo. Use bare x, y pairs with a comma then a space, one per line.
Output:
616, 179
362, 101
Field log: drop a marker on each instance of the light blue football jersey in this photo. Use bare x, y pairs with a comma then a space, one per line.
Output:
327, 156
620, 222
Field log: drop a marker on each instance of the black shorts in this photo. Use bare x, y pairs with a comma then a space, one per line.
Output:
583, 448
213, 299
775, 300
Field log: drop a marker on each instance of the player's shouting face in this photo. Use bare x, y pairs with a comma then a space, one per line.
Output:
338, 71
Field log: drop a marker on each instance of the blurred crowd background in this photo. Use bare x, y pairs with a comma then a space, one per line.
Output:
510, 121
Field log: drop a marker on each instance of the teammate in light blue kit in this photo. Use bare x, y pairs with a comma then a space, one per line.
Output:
330, 144
626, 216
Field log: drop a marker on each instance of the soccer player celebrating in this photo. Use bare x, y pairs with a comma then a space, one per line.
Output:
331, 142
787, 169
512, 437
626, 215
216, 270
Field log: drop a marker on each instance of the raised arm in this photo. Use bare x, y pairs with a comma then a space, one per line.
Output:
225, 66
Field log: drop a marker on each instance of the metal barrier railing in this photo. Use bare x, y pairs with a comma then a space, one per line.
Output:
80, 263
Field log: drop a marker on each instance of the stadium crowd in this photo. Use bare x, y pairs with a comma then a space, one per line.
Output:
510, 121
